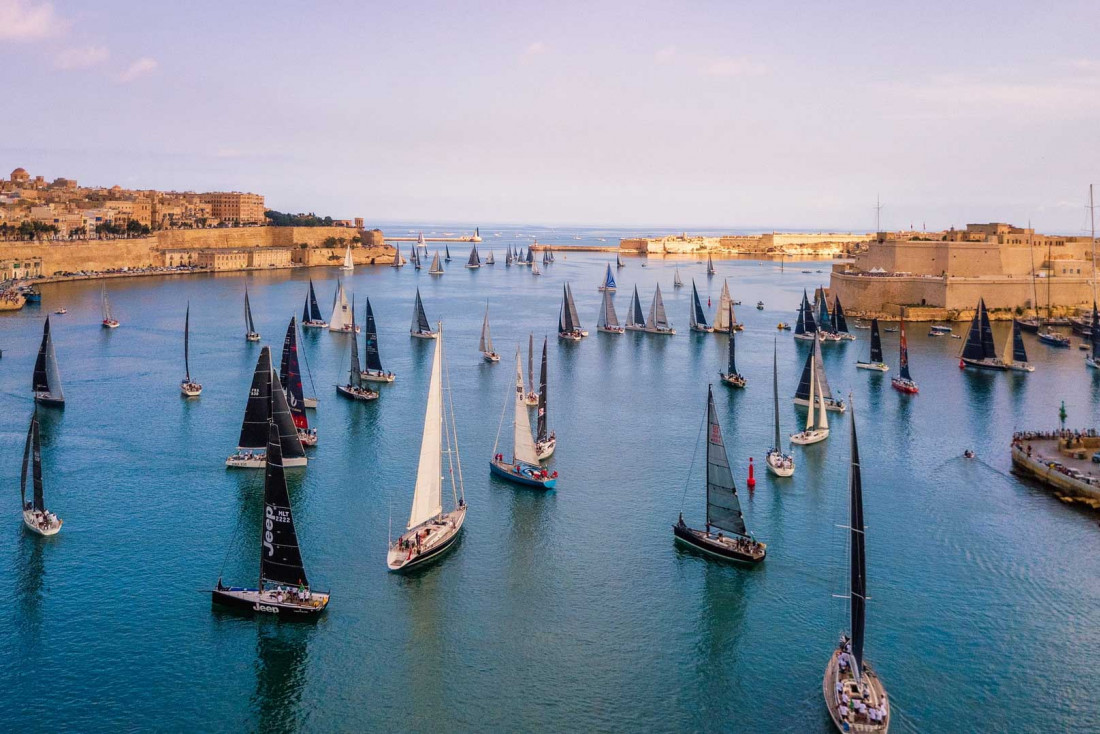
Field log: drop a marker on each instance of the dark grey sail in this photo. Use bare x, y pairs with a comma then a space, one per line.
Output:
637, 318
822, 383
823, 316
840, 324
802, 392
32, 459
542, 433
876, 342
355, 372
723, 508
988, 348
257, 412
800, 324
572, 308
248, 314
284, 421
1019, 353
973, 348
475, 260
698, 317
314, 309
290, 376
280, 556
732, 367
420, 319
447, 252
1095, 336
305, 306
775, 393
396, 257
565, 321
858, 553
46, 380
373, 358
808, 315
186, 343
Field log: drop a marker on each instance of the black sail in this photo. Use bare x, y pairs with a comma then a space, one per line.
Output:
823, 313
723, 509
775, 392
186, 343
32, 459
566, 312
876, 342
858, 558
803, 391
284, 421
989, 350
290, 375
421, 318
258, 409
305, 306
1019, 353
314, 309
903, 355
840, 324
1095, 336
355, 372
638, 317
697, 307
800, 324
732, 349
542, 434
474, 260
973, 347
248, 314
280, 556
374, 360
810, 324
46, 378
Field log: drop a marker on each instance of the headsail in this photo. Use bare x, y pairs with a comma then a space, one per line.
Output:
420, 319
486, 343
823, 317
658, 319
32, 459
475, 259
858, 553
428, 495
355, 372
284, 421
247, 314
290, 375
541, 431
46, 378
904, 354
698, 318
523, 449
257, 411
280, 556
572, 307
876, 342
340, 313
840, 324
1019, 353
723, 508
314, 309
608, 318
437, 267
373, 358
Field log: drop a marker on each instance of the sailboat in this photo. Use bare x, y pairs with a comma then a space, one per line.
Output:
840, 323
283, 587
710, 265
817, 419
725, 535
524, 467
266, 404
979, 350
475, 259
677, 281
1093, 359
421, 244
875, 361
848, 677
635, 320
724, 318
396, 257
430, 531
374, 371
609, 320
806, 327
508, 258
531, 396
290, 375
530, 256
1015, 355
535, 269
343, 318
420, 328
698, 321
447, 253
490, 260
354, 387
437, 266
36, 517
569, 326
657, 322
46, 381
415, 255
619, 261
311, 312
545, 441
731, 376
825, 329
779, 464
608, 281
250, 333
485, 346
815, 365
348, 265
904, 381
109, 322
188, 387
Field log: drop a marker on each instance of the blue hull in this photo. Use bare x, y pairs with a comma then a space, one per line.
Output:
520, 478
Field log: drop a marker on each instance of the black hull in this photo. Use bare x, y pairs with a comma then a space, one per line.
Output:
269, 609
1031, 327
983, 365
431, 556
686, 535
50, 402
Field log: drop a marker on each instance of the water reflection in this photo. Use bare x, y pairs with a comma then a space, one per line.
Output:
30, 578
281, 666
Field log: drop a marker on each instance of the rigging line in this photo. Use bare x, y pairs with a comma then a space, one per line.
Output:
500, 425
694, 453
452, 430
301, 340
236, 536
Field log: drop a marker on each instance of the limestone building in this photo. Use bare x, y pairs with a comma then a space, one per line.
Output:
236, 207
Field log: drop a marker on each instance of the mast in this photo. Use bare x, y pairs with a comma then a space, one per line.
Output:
373, 357
428, 493
1092, 237
314, 309
903, 356
355, 373
876, 342
32, 458
280, 555
542, 433
775, 392
531, 361
523, 446
290, 376
857, 562
723, 508
186, 340
257, 411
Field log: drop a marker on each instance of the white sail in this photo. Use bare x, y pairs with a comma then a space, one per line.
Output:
810, 411
106, 305
348, 264
428, 495
822, 414
486, 343
722, 316
341, 315
1007, 359
524, 443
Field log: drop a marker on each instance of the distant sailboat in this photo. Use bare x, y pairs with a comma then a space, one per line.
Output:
420, 328
1015, 354
490, 260
430, 531
250, 327
447, 253
608, 283
266, 403
875, 361
779, 463
290, 375
904, 381
608, 321
421, 244
815, 365
374, 371
188, 387
343, 319
979, 350
283, 588
485, 346
806, 326
437, 266
731, 376
569, 327
710, 265
415, 257
723, 507
475, 259
348, 264
724, 317
530, 256
826, 332
354, 387
619, 261
524, 467
848, 677
46, 381
545, 441
109, 322
635, 320
677, 282
698, 319
36, 517
535, 269
396, 257
840, 323
817, 419
508, 257
657, 322
311, 312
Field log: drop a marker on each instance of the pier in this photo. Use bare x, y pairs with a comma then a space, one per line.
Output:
1061, 461
468, 238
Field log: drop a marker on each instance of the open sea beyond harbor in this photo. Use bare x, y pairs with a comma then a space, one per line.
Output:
567, 610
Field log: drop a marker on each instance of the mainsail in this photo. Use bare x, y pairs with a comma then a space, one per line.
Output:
698, 318
257, 411
1019, 353
420, 319
808, 314
280, 556
658, 319
609, 280
247, 314
904, 354
813, 362
979, 339
437, 267
1094, 338
290, 376
428, 495
447, 252
823, 316
486, 344
876, 342
840, 324
541, 431
314, 309
571, 307
284, 421
636, 318
373, 358
608, 318
618, 260
107, 304
475, 259
676, 280
710, 265
32, 459
723, 317
723, 508
341, 316
858, 553
732, 366
355, 371
46, 378
523, 451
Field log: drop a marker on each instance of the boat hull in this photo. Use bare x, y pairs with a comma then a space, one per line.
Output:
733, 379
345, 330
805, 438
778, 464
110, 324
905, 386
31, 523
808, 337
1092, 363
610, 330
190, 389
309, 403
545, 449
314, 324
521, 474
831, 404
702, 329
1058, 341
353, 393
490, 356
423, 334
709, 544
400, 560
877, 366
1030, 326
253, 602
878, 697
44, 398
661, 332
376, 377
259, 461
571, 336
252, 337
995, 365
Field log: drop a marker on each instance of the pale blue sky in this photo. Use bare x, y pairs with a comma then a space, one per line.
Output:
678, 114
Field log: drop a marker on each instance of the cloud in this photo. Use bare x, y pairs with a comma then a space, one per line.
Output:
668, 53
81, 58
731, 66
535, 49
142, 67
24, 20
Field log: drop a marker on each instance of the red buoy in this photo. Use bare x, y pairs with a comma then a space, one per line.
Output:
752, 479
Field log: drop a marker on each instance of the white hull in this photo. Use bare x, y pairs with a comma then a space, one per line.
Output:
804, 337
190, 389
314, 324
443, 532
607, 330
252, 336
545, 449
662, 332
1092, 363
569, 336
631, 327
876, 696
259, 461
377, 376
31, 522
112, 324
1020, 366
779, 465
344, 329
830, 404
491, 356
733, 380
805, 438
309, 403
877, 366
702, 329
424, 335
346, 269
531, 400
308, 438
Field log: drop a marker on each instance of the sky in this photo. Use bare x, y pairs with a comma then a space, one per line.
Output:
666, 114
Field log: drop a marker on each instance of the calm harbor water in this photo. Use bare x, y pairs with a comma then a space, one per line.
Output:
563, 611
